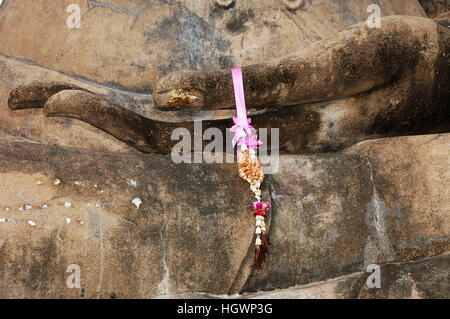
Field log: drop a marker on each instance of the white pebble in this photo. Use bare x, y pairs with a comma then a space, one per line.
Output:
67, 204
77, 183
137, 202
2, 220
7, 209
32, 223
97, 205
28, 207
131, 182
45, 206
21, 208
68, 220
56, 182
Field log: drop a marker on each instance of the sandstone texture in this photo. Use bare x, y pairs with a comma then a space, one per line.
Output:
175, 241
423, 279
435, 8
411, 192
131, 44
381, 201
333, 215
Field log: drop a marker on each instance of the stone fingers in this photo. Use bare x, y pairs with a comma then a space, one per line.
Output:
195, 90
121, 123
355, 61
36, 94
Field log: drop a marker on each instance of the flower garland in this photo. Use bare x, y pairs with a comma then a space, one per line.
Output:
249, 166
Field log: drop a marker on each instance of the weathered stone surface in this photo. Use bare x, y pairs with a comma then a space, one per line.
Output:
132, 44
337, 288
427, 278
33, 125
383, 200
318, 225
187, 235
333, 214
434, 8
411, 194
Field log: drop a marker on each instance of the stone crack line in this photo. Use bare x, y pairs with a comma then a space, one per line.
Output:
137, 227
102, 259
164, 285
96, 4
136, 13
376, 219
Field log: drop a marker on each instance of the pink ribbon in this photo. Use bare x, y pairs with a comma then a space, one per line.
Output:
244, 132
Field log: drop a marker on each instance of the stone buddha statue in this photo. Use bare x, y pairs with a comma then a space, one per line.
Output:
114, 86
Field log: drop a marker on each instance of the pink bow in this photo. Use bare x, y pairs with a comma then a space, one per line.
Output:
241, 131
